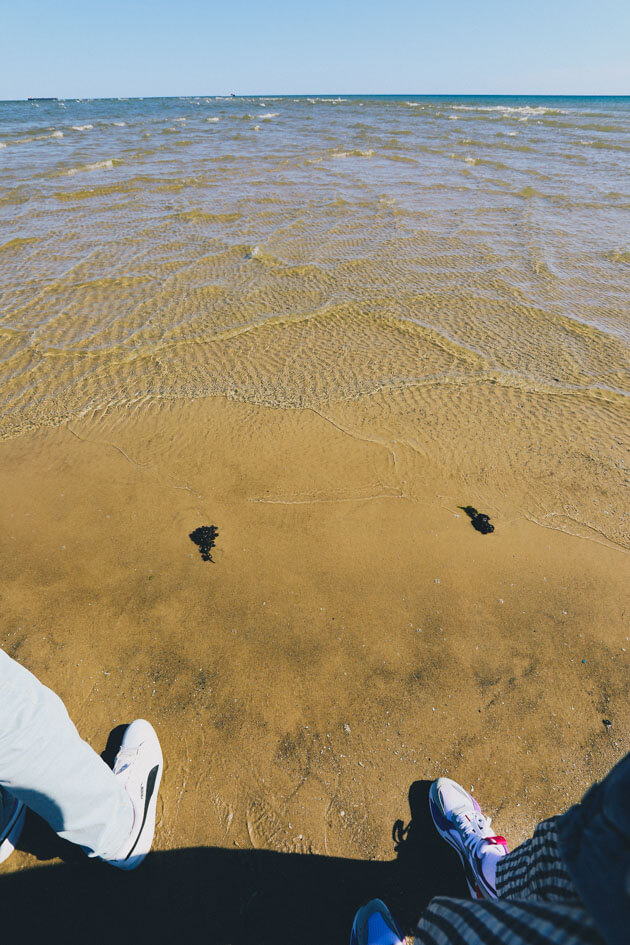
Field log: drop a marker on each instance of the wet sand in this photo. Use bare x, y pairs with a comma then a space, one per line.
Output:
352, 635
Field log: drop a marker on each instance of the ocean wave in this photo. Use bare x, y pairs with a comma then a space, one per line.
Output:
267, 115
82, 127
28, 138
526, 110
107, 165
213, 119
401, 158
606, 145
120, 124
591, 126
354, 153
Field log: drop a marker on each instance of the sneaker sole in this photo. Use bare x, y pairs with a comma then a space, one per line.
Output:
13, 831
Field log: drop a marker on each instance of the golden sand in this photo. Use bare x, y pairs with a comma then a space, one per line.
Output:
352, 635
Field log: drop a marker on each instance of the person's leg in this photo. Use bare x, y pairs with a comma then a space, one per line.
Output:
45, 763
535, 870
477, 922
11, 821
501, 922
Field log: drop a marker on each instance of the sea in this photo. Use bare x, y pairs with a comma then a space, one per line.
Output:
461, 261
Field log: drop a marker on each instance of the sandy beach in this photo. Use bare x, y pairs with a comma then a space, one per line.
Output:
328, 388
352, 634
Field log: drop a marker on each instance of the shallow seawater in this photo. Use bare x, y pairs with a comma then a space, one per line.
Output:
446, 275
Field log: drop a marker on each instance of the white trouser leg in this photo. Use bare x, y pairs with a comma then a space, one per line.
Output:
46, 764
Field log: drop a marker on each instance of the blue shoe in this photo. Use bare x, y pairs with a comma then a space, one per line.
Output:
374, 925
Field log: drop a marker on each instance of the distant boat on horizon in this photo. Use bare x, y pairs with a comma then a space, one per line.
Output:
37, 99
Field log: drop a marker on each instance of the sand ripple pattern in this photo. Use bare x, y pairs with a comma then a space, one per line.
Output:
456, 261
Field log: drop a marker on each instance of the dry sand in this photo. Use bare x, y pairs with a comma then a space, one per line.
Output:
353, 634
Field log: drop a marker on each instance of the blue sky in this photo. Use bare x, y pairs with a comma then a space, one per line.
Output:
136, 47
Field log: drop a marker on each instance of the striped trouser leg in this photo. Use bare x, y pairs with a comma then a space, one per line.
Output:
539, 904
535, 869
503, 922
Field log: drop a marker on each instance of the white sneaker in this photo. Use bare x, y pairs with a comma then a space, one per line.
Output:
13, 812
458, 819
139, 765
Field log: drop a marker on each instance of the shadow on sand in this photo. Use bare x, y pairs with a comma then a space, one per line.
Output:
223, 896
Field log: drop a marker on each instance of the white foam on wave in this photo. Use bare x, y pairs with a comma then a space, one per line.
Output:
266, 116
355, 153
257, 127
179, 119
120, 124
512, 109
82, 127
212, 119
97, 166
29, 138
2, 144
453, 117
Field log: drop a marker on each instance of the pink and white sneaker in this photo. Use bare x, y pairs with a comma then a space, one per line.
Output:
458, 819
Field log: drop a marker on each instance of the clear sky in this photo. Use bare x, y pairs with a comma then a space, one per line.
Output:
83, 48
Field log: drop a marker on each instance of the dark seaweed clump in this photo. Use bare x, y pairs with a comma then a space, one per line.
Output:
479, 520
205, 537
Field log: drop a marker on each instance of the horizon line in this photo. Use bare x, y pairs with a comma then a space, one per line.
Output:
229, 95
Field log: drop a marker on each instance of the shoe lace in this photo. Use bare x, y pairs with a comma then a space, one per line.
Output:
471, 828
124, 758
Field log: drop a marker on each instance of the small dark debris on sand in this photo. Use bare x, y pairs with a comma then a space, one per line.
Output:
205, 537
478, 520
607, 723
